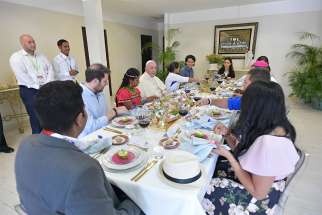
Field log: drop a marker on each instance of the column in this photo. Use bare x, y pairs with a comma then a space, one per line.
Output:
93, 19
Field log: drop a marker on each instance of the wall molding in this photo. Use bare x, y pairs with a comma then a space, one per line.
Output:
246, 11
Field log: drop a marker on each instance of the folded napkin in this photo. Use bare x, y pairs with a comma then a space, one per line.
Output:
205, 122
90, 146
196, 141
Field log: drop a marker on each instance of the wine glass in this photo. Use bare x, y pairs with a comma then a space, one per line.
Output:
183, 110
196, 98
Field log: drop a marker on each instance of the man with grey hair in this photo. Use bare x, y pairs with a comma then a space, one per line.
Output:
150, 85
32, 70
95, 100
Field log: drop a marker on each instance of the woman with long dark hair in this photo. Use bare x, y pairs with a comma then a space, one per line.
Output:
128, 94
227, 69
264, 154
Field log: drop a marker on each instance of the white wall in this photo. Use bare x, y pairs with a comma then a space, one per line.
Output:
276, 33
47, 27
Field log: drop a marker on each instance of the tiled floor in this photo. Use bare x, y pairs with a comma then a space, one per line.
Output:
305, 194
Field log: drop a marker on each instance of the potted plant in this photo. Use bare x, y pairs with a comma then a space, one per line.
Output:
214, 60
306, 78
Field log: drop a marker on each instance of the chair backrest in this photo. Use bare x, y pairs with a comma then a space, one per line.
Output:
284, 196
297, 166
20, 209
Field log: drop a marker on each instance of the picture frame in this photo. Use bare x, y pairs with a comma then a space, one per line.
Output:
235, 40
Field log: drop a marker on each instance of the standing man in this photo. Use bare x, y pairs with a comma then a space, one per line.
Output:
187, 71
3, 143
32, 70
95, 100
64, 65
150, 85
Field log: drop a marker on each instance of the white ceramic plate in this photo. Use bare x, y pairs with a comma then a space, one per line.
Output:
140, 156
124, 121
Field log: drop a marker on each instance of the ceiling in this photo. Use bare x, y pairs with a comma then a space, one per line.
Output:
156, 8
138, 8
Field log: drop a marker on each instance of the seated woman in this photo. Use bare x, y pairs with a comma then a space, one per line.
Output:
227, 69
173, 80
128, 94
261, 160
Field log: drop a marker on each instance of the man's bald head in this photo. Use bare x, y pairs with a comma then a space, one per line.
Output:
28, 43
151, 67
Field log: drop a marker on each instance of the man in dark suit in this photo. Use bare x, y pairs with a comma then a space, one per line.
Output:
3, 143
53, 175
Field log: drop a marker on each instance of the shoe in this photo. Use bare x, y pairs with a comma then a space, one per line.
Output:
6, 149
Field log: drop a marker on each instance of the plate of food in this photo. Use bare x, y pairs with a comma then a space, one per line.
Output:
200, 134
169, 143
124, 121
123, 158
119, 139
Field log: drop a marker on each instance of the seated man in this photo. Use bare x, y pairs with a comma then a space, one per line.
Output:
95, 100
187, 71
53, 175
150, 85
174, 79
233, 103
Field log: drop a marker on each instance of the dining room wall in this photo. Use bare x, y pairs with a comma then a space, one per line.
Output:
124, 41
276, 33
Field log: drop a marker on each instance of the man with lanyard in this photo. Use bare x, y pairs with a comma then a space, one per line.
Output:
32, 70
53, 175
64, 65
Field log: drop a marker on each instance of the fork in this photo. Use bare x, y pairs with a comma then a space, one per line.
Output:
103, 151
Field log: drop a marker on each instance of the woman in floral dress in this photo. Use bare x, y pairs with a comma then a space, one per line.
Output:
251, 178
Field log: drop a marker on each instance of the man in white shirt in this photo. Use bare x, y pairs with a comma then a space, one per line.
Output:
150, 85
98, 114
64, 65
173, 80
32, 70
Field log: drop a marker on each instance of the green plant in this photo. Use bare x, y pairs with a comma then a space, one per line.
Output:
213, 58
167, 56
306, 78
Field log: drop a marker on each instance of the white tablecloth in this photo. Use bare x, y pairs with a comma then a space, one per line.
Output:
151, 193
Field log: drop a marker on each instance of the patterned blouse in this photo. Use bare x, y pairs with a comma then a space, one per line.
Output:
126, 95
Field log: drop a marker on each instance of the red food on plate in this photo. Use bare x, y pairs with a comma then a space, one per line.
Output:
118, 160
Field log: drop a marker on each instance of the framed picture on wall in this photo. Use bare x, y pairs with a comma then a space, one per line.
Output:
235, 40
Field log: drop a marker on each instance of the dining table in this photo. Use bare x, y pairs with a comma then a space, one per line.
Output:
152, 193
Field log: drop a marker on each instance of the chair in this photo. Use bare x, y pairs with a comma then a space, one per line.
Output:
284, 196
20, 209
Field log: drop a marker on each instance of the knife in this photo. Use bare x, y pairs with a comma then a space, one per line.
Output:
144, 170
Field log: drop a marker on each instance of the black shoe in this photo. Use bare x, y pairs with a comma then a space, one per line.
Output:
6, 149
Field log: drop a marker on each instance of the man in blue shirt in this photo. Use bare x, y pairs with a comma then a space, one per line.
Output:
187, 71
95, 100
233, 103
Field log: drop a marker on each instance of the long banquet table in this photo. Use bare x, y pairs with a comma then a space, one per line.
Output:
151, 193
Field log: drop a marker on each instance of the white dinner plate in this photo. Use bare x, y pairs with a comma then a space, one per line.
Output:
140, 156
